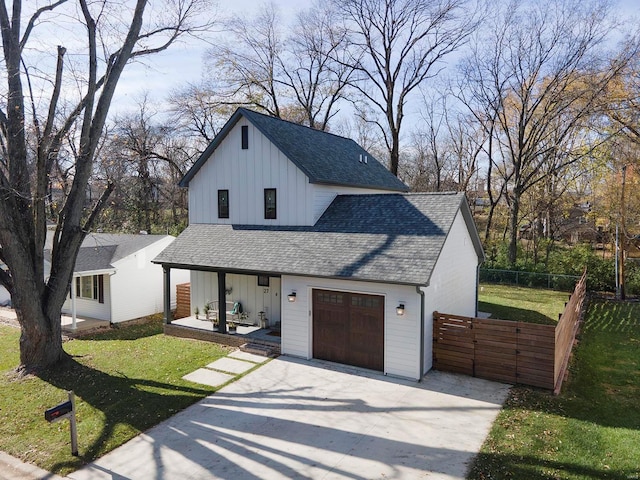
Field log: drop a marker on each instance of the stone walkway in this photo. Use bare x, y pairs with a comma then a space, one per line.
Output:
225, 369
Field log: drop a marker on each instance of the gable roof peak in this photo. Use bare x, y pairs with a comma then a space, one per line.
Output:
325, 158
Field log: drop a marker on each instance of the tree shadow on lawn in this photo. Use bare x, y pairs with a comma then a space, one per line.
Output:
126, 332
132, 403
508, 466
503, 312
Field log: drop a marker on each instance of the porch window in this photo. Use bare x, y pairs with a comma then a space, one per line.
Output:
90, 287
223, 203
269, 203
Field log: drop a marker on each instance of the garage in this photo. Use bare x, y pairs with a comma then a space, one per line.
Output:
349, 328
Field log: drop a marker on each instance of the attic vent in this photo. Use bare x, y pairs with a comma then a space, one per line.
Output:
363, 159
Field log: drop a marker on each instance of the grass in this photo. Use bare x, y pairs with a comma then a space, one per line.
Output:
522, 304
126, 380
592, 429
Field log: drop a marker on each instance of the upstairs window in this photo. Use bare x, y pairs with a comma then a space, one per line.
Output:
269, 203
223, 203
245, 137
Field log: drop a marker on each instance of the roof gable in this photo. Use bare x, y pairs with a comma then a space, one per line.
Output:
323, 157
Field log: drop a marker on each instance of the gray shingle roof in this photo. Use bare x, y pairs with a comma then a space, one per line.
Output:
323, 157
393, 238
99, 251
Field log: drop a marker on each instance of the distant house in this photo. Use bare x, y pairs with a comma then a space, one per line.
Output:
309, 229
114, 279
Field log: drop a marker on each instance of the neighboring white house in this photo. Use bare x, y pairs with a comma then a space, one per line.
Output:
115, 280
309, 228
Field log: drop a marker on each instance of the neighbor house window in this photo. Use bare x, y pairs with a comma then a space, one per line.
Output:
90, 287
223, 203
269, 203
245, 137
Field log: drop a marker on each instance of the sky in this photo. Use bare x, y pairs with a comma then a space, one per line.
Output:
183, 63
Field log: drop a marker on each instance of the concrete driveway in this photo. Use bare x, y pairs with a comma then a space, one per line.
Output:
301, 419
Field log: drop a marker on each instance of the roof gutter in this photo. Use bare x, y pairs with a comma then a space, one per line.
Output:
106, 271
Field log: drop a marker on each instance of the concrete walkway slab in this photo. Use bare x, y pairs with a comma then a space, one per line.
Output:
231, 365
205, 376
307, 419
249, 357
13, 469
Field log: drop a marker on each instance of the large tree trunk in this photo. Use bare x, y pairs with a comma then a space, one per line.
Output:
40, 340
41, 331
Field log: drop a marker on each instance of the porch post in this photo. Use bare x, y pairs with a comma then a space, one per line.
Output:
167, 294
222, 301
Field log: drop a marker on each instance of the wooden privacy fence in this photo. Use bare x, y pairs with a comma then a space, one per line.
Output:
508, 351
183, 300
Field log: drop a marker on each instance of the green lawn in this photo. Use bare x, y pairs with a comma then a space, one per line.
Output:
522, 304
591, 430
125, 380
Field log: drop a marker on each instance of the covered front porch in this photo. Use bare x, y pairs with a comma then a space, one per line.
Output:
227, 307
251, 338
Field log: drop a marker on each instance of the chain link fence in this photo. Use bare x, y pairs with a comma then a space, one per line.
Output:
553, 281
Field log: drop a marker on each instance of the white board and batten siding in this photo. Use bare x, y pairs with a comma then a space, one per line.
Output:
137, 287
401, 333
246, 173
453, 284
244, 289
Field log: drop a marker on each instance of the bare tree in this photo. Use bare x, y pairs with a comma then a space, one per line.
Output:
115, 34
199, 112
145, 158
397, 45
300, 77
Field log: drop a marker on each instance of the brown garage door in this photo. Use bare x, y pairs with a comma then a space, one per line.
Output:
349, 328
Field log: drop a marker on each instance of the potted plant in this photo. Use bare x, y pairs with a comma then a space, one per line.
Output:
197, 312
216, 324
206, 310
232, 327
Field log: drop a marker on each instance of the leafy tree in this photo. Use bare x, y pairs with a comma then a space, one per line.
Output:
52, 101
538, 74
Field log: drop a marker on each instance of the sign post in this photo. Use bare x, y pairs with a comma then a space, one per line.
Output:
66, 410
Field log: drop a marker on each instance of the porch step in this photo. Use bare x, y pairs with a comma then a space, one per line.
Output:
258, 349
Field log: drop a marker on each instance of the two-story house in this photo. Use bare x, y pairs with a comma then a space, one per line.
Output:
309, 228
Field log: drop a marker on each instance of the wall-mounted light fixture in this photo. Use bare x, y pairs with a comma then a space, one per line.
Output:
292, 297
400, 309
